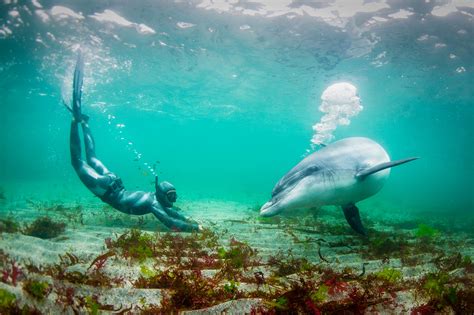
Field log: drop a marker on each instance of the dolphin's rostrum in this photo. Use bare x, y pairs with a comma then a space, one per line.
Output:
341, 173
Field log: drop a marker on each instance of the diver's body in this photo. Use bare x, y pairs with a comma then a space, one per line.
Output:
108, 186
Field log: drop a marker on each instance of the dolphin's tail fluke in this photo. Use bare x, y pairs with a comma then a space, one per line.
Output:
377, 168
351, 212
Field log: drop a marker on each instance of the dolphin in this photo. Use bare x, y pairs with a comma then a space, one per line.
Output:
341, 173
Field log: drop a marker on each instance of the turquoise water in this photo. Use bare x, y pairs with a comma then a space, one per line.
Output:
220, 98
225, 98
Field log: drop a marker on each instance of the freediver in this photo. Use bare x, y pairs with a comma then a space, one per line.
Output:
108, 186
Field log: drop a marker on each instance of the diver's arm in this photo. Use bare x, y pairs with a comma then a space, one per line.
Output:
174, 213
173, 223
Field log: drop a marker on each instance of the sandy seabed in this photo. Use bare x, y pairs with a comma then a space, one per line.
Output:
315, 251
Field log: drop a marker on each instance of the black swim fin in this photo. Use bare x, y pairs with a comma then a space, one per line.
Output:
77, 87
351, 212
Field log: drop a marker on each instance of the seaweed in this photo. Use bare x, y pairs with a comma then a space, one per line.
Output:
7, 300
383, 246
435, 284
134, 244
92, 305
239, 255
65, 296
444, 291
287, 264
189, 289
99, 262
321, 294
45, 228
11, 275
95, 277
178, 265
9, 225
426, 232
37, 289
389, 275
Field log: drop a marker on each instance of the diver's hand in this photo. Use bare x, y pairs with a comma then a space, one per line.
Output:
200, 228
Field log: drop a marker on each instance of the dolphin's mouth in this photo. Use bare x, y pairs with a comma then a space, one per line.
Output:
271, 208
268, 209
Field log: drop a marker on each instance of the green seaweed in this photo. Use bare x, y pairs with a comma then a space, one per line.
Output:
7, 300
45, 228
321, 294
9, 225
285, 264
37, 289
135, 245
92, 305
231, 287
425, 231
383, 246
435, 284
389, 275
147, 272
445, 291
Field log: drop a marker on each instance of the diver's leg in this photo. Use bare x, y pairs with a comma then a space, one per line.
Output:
95, 182
75, 146
89, 143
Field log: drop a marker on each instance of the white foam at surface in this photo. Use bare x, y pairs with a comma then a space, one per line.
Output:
401, 14
60, 12
109, 16
339, 103
335, 13
444, 10
464, 3
379, 19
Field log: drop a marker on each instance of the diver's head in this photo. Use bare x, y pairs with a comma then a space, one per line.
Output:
165, 193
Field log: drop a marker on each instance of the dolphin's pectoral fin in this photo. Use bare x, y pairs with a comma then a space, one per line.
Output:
351, 212
377, 168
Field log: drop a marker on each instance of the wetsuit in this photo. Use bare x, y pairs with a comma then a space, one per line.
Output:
105, 184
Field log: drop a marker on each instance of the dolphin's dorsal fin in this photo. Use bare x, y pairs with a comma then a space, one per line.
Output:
377, 168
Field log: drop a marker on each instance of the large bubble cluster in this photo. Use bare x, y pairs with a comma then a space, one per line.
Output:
340, 102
